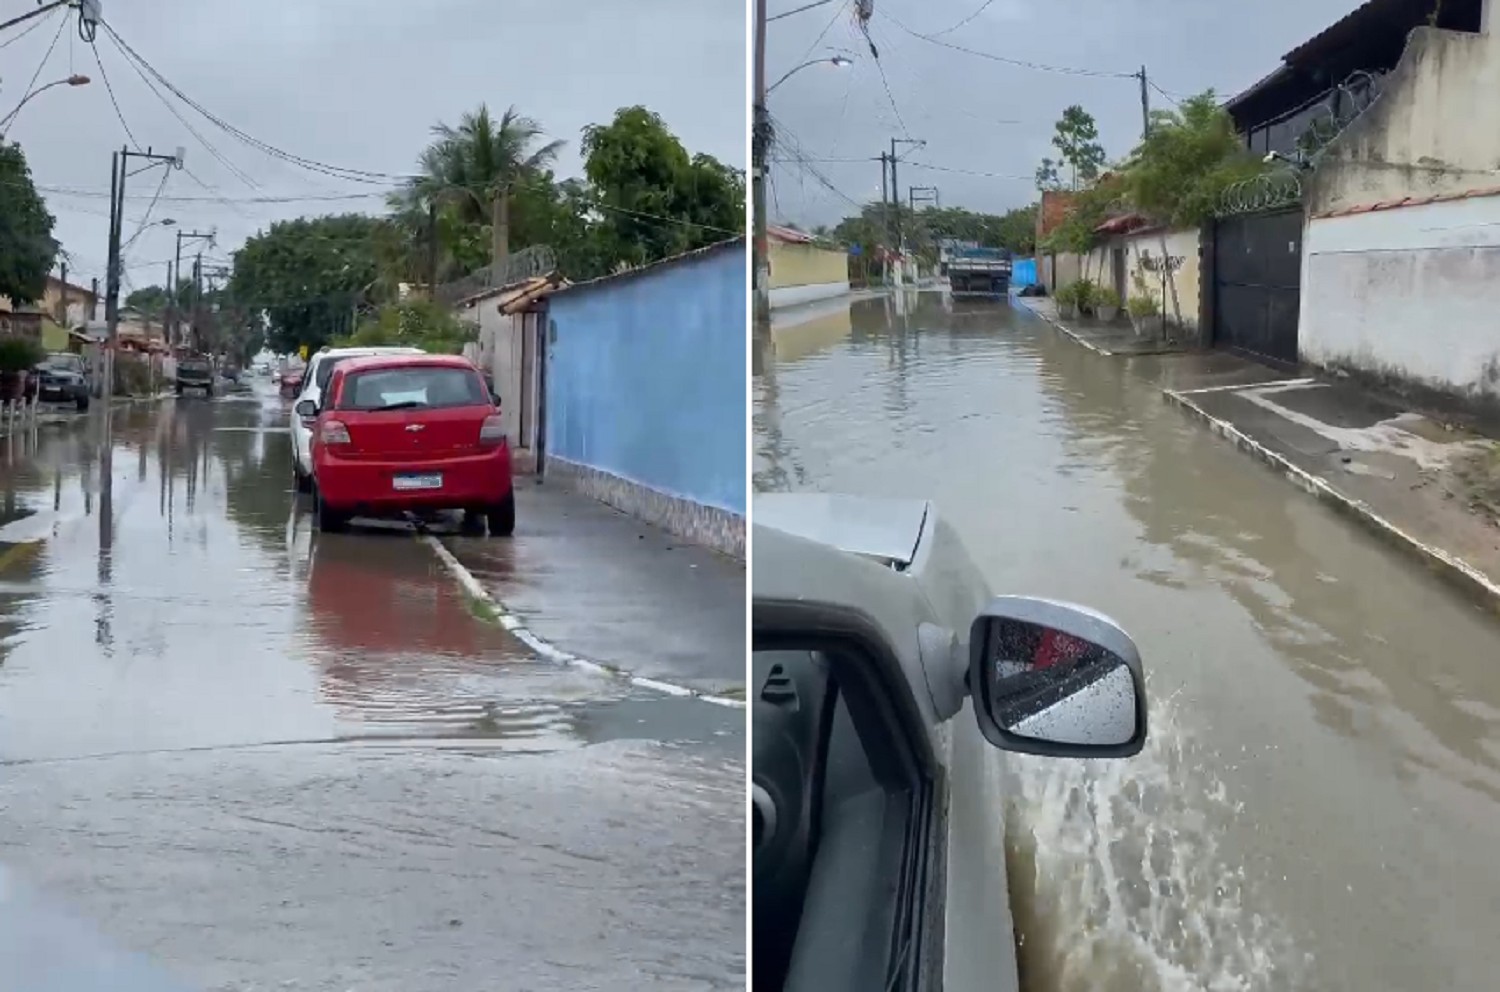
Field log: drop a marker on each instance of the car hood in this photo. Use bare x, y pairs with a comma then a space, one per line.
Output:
885, 530
42, 947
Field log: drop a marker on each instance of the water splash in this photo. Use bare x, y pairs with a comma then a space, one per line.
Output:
1119, 885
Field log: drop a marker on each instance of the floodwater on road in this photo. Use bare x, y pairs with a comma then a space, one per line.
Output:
274, 759
1318, 806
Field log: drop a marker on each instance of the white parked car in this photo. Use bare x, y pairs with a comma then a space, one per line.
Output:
314, 381
878, 838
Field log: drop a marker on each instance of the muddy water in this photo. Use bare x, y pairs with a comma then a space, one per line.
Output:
1319, 803
270, 758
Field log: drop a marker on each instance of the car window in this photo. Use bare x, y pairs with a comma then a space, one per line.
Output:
415, 386
840, 859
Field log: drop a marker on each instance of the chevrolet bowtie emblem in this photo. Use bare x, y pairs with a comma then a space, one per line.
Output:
414, 427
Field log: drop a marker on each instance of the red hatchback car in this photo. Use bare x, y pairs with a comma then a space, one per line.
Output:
410, 433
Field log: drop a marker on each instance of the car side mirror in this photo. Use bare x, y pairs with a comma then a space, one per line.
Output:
1055, 679
306, 409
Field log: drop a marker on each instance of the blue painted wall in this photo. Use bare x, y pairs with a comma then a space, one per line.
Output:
646, 376
1023, 272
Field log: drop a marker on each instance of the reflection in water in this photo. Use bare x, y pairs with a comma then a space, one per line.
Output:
1324, 766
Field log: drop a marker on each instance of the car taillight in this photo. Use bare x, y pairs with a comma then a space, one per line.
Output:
493, 431
334, 432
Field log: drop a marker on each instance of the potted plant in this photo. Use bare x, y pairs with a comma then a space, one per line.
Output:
1088, 294
18, 356
1067, 301
1142, 309
1106, 304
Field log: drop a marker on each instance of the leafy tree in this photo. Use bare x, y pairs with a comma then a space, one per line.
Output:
418, 324
1180, 171
1077, 138
152, 300
1047, 179
27, 248
308, 276
654, 199
463, 172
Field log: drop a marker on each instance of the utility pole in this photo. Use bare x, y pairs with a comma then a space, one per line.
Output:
177, 277
760, 135
1168, 281
62, 317
885, 216
500, 231
197, 300
432, 251
896, 197
1145, 104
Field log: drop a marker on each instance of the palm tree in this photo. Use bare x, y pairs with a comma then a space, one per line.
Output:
467, 173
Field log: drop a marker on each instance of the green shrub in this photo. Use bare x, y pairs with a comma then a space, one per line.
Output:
1142, 306
18, 354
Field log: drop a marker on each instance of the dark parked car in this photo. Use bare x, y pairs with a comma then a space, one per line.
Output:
62, 377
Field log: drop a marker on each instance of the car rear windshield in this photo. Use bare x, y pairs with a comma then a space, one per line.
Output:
413, 387
65, 363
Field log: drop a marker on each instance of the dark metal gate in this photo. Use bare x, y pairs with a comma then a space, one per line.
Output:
1258, 283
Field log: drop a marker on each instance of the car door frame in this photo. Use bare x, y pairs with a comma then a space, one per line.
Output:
881, 696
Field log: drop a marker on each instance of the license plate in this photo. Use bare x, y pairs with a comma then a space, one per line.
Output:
404, 482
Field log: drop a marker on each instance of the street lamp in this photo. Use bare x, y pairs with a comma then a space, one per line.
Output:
838, 60
73, 80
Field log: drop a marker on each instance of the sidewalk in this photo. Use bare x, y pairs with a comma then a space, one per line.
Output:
1427, 486
1117, 338
615, 591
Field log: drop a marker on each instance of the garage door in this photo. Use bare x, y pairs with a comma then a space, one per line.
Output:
1258, 284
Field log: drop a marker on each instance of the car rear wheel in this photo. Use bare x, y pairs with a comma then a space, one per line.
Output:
331, 521
503, 516
82, 402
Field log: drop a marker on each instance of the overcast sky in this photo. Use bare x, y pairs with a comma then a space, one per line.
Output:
354, 83
964, 105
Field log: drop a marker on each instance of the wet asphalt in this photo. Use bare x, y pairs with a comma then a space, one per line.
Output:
1319, 804
267, 758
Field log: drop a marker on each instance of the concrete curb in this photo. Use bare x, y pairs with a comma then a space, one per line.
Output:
551, 652
1446, 565
1068, 331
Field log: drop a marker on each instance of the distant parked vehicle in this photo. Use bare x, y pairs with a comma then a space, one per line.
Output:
62, 377
195, 372
410, 433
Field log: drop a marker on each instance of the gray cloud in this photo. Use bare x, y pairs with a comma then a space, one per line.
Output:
958, 102
355, 83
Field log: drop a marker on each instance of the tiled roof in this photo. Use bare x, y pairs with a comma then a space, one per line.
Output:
1409, 201
789, 234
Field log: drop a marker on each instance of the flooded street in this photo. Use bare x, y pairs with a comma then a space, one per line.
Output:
272, 759
1319, 804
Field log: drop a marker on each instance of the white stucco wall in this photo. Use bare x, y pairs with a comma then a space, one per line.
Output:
1435, 129
788, 296
500, 341
1143, 255
1411, 292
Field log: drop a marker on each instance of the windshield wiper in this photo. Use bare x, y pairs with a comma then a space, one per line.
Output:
403, 405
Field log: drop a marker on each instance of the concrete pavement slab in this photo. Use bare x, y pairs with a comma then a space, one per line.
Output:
1407, 476
614, 590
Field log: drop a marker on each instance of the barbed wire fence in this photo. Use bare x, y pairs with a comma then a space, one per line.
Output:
1283, 187
527, 263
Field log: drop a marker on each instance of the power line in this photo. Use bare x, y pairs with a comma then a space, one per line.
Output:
965, 172
1021, 63
146, 219
27, 30
35, 75
233, 169
337, 172
880, 67
109, 87
982, 8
